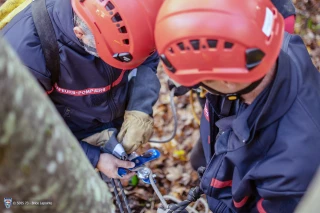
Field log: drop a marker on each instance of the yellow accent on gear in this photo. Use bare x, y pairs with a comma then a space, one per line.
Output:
203, 92
10, 9
232, 98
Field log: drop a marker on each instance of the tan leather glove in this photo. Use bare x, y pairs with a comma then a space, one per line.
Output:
100, 138
136, 130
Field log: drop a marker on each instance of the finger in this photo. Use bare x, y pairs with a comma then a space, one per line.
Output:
124, 164
111, 174
127, 176
114, 174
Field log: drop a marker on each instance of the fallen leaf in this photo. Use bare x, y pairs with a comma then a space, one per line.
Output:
186, 177
174, 173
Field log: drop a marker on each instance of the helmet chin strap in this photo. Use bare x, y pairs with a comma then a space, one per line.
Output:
236, 95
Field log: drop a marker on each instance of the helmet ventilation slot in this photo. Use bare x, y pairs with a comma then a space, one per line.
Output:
181, 46
228, 45
195, 44
170, 50
212, 43
116, 18
122, 29
109, 6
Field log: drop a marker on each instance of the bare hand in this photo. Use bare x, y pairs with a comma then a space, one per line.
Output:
108, 165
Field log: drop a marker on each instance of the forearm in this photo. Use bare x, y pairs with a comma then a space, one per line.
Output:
144, 90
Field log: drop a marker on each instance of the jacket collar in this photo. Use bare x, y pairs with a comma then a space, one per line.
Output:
63, 20
271, 104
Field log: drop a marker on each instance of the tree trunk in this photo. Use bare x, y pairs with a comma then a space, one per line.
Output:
40, 160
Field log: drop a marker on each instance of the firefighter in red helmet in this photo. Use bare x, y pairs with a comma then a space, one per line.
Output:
122, 30
198, 55
260, 125
107, 77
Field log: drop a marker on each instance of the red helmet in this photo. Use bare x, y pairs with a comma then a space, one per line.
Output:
228, 40
123, 30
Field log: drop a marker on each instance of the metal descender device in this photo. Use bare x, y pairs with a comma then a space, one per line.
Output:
145, 174
140, 169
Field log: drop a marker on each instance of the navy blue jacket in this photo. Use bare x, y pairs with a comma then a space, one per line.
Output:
90, 94
285, 7
263, 156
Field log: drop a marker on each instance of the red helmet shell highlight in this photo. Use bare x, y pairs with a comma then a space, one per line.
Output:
123, 30
228, 40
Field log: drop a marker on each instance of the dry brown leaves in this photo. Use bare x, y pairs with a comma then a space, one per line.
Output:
308, 26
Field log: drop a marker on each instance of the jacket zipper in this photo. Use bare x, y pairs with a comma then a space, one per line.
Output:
110, 94
215, 137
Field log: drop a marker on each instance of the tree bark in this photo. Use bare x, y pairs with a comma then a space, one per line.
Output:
40, 160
